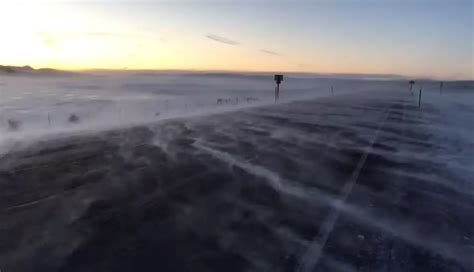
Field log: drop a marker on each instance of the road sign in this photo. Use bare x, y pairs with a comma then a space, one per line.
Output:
278, 79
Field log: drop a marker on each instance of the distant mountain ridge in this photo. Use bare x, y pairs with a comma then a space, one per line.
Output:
28, 70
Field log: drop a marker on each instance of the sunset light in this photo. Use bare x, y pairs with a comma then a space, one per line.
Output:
420, 38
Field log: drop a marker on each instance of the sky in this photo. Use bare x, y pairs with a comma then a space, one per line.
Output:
429, 38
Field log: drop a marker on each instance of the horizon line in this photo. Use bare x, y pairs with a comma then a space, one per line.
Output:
393, 75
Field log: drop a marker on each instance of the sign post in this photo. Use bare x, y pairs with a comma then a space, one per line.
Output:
278, 80
419, 99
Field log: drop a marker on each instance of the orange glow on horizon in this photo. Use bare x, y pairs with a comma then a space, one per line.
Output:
68, 37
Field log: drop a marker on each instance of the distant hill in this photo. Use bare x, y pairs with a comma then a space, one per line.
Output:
28, 70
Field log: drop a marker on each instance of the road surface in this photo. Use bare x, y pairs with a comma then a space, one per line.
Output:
345, 183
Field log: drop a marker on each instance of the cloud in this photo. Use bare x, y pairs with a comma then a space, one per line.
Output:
269, 52
222, 39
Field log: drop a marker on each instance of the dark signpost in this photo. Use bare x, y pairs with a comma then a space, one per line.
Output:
419, 99
278, 80
441, 87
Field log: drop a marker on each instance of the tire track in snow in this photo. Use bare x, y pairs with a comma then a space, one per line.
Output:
311, 258
402, 230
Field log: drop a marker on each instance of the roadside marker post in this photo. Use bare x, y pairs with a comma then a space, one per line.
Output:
278, 80
412, 82
419, 99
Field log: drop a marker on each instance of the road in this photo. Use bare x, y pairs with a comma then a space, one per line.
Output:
344, 183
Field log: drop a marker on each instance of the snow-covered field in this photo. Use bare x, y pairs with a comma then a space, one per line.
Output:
41, 106
157, 175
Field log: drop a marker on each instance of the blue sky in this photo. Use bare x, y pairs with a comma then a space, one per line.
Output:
419, 37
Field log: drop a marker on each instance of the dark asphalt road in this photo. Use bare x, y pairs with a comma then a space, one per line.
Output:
334, 184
